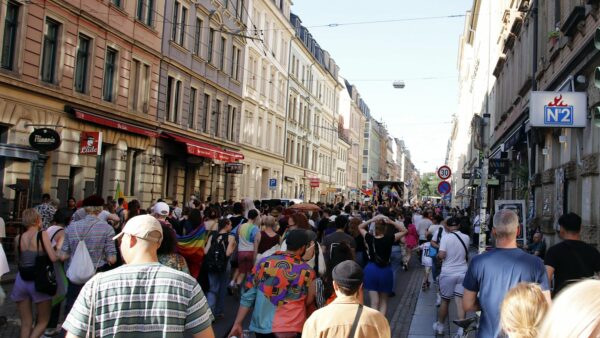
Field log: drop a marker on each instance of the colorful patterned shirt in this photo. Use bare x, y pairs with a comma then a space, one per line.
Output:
277, 289
47, 212
141, 301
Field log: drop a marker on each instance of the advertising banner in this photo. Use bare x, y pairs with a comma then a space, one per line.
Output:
90, 143
558, 109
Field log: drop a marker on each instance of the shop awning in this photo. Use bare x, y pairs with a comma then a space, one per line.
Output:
202, 149
125, 126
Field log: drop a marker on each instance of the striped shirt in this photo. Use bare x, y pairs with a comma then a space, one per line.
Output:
141, 300
98, 239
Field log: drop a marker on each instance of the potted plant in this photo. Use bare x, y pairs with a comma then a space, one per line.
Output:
553, 37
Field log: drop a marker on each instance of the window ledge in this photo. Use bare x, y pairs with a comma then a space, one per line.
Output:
210, 65
14, 72
178, 46
145, 26
198, 58
118, 9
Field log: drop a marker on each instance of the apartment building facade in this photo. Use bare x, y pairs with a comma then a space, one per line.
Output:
75, 70
267, 65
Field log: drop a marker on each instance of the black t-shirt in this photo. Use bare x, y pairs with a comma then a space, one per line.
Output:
572, 260
382, 247
360, 244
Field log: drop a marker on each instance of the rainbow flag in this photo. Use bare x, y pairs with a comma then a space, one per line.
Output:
191, 247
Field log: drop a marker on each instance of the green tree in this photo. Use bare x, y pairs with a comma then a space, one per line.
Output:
429, 184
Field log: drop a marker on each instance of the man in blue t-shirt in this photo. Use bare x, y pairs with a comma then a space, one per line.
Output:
492, 274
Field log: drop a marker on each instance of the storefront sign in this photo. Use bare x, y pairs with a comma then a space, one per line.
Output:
90, 143
558, 109
234, 168
44, 139
314, 182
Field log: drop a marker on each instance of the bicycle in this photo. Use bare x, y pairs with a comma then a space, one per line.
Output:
468, 325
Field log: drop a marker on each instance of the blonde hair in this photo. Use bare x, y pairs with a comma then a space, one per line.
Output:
30, 217
575, 312
523, 310
268, 221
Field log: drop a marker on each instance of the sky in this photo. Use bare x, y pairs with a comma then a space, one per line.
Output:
373, 56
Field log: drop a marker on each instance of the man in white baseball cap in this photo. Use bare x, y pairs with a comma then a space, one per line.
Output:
166, 293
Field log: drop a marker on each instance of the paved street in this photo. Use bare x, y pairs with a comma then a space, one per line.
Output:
400, 309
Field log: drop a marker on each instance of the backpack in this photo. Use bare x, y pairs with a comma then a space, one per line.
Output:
216, 257
81, 268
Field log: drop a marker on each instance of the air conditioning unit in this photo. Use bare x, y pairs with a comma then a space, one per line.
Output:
524, 5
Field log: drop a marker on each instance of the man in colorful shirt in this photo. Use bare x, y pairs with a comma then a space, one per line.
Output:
46, 210
278, 290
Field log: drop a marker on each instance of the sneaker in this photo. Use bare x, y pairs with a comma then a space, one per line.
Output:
459, 332
438, 300
438, 328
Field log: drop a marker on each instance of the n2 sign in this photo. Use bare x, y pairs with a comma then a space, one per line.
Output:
558, 109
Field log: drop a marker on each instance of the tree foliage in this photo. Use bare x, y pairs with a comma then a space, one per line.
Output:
429, 184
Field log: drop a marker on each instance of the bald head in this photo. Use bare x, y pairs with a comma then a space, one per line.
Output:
506, 224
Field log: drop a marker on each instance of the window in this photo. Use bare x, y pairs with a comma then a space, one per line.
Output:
140, 86
81, 64
50, 51
223, 45
116, 2
173, 93
206, 111
211, 40
183, 24
175, 20
216, 118
235, 63
230, 122
198, 37
192, 108
145, 9
131, 170
109, 74
9, 40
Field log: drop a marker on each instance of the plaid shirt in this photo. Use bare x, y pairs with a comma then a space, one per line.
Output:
97, 236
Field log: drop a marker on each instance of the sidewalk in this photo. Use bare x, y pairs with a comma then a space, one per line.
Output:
425, 315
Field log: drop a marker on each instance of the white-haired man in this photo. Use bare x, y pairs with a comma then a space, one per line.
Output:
494, 273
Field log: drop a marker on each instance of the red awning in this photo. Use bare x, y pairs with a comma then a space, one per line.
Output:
114, 123
202, 149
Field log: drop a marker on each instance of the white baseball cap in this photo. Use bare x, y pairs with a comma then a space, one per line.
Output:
161, 208
141, 227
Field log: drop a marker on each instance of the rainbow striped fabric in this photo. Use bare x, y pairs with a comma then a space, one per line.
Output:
191, 247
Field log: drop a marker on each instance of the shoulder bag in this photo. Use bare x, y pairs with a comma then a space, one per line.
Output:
464, 246
356, 319
45, 277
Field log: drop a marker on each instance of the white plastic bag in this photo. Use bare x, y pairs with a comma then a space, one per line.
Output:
81, 268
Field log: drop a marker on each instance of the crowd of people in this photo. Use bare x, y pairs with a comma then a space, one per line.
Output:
301, 271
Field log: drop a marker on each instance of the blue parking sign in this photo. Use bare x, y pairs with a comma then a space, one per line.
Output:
272, 183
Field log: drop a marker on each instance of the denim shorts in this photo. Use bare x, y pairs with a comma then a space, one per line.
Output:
24, 290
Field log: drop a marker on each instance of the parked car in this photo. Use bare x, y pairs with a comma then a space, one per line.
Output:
284, 202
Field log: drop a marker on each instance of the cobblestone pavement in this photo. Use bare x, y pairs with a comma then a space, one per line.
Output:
400, 308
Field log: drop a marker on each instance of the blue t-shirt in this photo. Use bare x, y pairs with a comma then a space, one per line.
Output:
493, 274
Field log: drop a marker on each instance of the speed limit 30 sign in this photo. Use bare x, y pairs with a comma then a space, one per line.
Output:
444, 172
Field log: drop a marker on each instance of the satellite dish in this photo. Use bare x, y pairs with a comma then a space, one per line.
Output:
399, 84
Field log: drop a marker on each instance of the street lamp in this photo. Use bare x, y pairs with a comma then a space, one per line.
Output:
399, 84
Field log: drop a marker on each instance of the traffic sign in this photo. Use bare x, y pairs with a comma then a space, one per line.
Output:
444, 172
272, 183
444, 188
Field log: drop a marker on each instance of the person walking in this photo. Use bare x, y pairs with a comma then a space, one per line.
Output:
454, 254
423, 226
492, 274
96, 234
151, 300
572, 259
378, 272
523, 310
32, 243
339, 236
249, 238
46, 209
346, 316
219, 247
268, 237
279, 291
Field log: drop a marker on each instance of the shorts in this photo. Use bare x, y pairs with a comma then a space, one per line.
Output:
25, 290
245, 261
377, 278
451, 286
